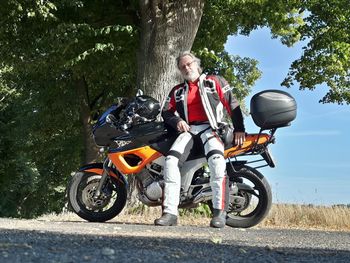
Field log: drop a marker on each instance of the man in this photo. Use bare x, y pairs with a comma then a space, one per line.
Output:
195, 108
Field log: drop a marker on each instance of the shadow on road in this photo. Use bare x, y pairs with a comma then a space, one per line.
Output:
40, 246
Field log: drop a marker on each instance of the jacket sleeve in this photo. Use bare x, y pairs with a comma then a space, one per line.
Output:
169, 110
231, 104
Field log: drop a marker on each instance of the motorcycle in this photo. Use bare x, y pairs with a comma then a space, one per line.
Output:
137, 144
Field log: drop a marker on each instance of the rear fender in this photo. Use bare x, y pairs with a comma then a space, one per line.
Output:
97, 168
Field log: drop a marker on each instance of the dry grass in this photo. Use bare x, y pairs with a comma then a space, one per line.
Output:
146, 215
308, 217
280, 216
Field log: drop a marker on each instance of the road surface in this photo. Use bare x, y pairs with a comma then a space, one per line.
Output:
64, 242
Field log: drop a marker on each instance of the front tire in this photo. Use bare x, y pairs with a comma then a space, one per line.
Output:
251, 204
81, 190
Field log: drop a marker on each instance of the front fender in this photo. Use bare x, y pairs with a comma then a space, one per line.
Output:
97, 168
92, 168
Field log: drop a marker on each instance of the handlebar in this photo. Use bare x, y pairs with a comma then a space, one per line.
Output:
113, 121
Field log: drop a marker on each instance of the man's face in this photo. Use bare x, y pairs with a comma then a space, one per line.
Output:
188, 68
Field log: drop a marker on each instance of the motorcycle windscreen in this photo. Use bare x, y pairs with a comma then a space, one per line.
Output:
103, 132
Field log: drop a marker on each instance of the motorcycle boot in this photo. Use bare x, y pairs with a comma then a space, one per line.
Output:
219, 218
166, 220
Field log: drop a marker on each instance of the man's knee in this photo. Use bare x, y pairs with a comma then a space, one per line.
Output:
215, 157
171, 162
217, 164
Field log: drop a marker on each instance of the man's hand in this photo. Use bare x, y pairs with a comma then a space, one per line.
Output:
239, 138
182, 126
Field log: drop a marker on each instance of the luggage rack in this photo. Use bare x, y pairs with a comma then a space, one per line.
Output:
257, 149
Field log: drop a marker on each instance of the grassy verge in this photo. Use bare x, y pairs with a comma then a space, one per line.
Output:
280, 216
309, 217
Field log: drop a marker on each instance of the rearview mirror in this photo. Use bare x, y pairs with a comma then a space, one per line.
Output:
139, 92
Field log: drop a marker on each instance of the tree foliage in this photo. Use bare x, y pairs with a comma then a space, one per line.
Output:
224, 18
326, 57
47, 48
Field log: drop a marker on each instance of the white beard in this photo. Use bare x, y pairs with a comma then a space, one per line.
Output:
191, 76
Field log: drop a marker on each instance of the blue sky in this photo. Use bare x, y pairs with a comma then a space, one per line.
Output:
313, 154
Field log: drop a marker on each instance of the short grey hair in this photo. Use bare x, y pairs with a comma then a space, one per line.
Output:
188, 53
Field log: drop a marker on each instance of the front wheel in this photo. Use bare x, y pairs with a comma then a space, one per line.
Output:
250, 198
81, 191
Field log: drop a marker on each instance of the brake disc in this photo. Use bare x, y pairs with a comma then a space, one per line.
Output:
89, 199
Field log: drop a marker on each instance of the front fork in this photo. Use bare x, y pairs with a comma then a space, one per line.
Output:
106, 169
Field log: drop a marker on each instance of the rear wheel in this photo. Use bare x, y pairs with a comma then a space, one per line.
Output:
81, 191
250, 198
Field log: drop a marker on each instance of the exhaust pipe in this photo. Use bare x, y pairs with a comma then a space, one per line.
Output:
205, 195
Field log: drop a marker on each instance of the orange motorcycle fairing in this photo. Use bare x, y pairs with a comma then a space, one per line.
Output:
250, 141
144, 156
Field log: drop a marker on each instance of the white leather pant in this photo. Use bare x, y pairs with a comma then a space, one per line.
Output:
213, 149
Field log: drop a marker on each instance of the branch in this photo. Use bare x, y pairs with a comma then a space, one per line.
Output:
93, 103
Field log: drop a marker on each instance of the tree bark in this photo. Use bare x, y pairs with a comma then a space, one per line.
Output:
90, 150
167, 28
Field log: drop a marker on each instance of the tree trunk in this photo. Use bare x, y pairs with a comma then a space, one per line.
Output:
90, 151
167, 28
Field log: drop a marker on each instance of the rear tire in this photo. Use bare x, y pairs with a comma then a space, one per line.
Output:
255, 192
81, 190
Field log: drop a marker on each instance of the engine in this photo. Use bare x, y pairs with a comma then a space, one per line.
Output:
150, 184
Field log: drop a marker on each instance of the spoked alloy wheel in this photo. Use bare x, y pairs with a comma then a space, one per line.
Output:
251, 204
81, 191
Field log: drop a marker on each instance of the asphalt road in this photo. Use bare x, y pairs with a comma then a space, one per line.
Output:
45, 241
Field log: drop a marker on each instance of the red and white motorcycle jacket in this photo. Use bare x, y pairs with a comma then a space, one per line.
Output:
215, 93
